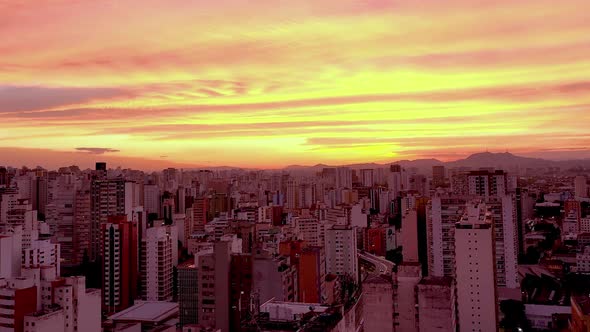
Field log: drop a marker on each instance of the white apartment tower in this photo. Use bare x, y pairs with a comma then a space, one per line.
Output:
156, 268
341, 251
475, 272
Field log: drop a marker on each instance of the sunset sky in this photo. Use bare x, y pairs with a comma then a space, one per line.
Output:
268, 83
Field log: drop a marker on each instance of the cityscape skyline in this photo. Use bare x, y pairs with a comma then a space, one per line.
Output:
273, 84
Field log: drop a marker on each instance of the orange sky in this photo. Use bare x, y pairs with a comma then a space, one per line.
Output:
268, 83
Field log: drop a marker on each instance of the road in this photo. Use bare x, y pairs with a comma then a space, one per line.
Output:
382, 266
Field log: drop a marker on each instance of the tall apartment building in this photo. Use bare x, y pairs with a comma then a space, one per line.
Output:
408, 238
82, 225
156, 264
442, 213
200, 207
436, 304
241, 275
367, 177
406, 279
107, 199
292, 195
213, 286
19, 298
309, 230
503, 214
438, 176
152, 199
81, 306
343, 177
581, 186
274, 277
188, 293
378, 303
312, 275
119, 263
341, 251
475, 270
486, 183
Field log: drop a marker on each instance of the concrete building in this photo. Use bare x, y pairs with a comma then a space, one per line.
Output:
474, 257
119, 265
378, 303
156, 264
309, 230
241, 275
405, 280
487, 183
19, 298
581, 186
312, 275
188, 292
41, 321
502, 210
367, 178
81, 306
214, 287
152, 199
341, 251
442, 213
408, 235
436, 304
438, 176
145, 316
108, 198
274, 277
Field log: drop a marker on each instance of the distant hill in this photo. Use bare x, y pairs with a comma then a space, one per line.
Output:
504, 160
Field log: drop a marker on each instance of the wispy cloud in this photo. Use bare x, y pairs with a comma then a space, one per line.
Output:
97, 150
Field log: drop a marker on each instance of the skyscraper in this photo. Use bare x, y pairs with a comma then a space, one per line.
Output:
476, 285
341, 251
438, 176
156, 264
119, 263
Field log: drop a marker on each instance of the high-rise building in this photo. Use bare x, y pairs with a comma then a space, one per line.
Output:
406, 277
341, 251
378, 303
81, 306
214, 287
436, 304
438, 176
156, 264
292, 196
200, 207
274, 277
408, 239
107, 199
82, 226
343, 177
367, 177
19, 298
474, 257
486, 183
119, 263
502, 211
312, 275
581, 186
240, 288
151, 199
442, 213
188, 292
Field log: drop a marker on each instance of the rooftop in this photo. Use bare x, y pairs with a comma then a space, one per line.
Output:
437, 281
149, 311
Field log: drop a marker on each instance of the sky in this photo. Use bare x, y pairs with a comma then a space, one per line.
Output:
270, 83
